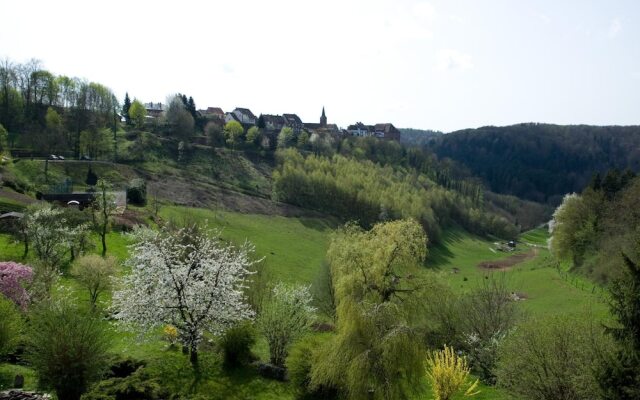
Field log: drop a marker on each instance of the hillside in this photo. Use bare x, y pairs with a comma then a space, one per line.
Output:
540, 162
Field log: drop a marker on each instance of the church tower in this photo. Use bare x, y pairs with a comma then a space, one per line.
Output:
323, 119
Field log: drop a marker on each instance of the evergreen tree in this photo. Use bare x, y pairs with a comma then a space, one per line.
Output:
261, 124
620, 374
92, 178
125, 108
191, 107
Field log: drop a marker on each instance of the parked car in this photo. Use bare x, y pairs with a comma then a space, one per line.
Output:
61, 157
53, 157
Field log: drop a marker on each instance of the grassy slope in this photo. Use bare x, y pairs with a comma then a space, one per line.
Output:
546, 291
293, 249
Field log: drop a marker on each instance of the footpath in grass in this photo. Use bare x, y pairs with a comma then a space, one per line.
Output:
542, 288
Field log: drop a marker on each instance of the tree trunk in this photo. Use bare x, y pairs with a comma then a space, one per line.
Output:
193, 355
103, 234
26, 248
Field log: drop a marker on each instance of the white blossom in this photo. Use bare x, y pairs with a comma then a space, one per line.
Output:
185, 278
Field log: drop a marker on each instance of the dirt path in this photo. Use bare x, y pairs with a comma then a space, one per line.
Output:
507, 263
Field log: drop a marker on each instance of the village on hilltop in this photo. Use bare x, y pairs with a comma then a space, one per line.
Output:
272, 124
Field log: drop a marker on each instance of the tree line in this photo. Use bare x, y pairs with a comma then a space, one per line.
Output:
368, 192
540, 162
61, 114
591, 229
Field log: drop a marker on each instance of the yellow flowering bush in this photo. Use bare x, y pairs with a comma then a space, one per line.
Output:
448, 373
170, 334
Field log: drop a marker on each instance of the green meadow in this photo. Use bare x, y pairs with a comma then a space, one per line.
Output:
292, 250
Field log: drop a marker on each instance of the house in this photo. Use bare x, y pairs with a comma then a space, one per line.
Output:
233, 116
213, 113
244, 116
382, 131
360, 129
154, 110
294, 122
271, 122
386, 131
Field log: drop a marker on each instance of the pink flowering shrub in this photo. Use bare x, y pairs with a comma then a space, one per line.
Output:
12, 278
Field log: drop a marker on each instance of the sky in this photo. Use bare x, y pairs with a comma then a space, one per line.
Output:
442, 65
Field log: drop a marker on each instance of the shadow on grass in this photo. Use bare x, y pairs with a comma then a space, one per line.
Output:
318, 224
440, 253
211, 381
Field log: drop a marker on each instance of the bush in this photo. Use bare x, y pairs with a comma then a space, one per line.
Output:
271, 371
10, 326
449, 374
121, 368
236, 345
299, 365
137, 386
67, 347
551, 360
95, 274
137, 192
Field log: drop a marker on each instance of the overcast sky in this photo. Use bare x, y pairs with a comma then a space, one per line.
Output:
442, 65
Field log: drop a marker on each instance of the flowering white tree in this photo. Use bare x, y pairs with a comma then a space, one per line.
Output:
51, 238
285, 317
186, 278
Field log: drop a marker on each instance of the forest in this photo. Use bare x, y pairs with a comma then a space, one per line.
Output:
518, 159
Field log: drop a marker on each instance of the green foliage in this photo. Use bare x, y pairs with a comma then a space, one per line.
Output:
103, 212
233, 132
4, 139
253, 135
67, 346
179, 119
137, 113
590, 230
357, 190
285, 137
552, 359
125, 108
215, 135
619, 376
92, 178
139, 386
285, 316
539, 162
574, 229
300, 362
303, 140
11, 325
236, 343
487, 315
137, 191
376, 352
95, 274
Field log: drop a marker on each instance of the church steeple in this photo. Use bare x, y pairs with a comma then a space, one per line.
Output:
323, 119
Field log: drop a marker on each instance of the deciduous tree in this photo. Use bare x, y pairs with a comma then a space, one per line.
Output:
96, 274
285, 317
13, 278
233, 132
67, 346
377, 351
137, 113
186, 278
